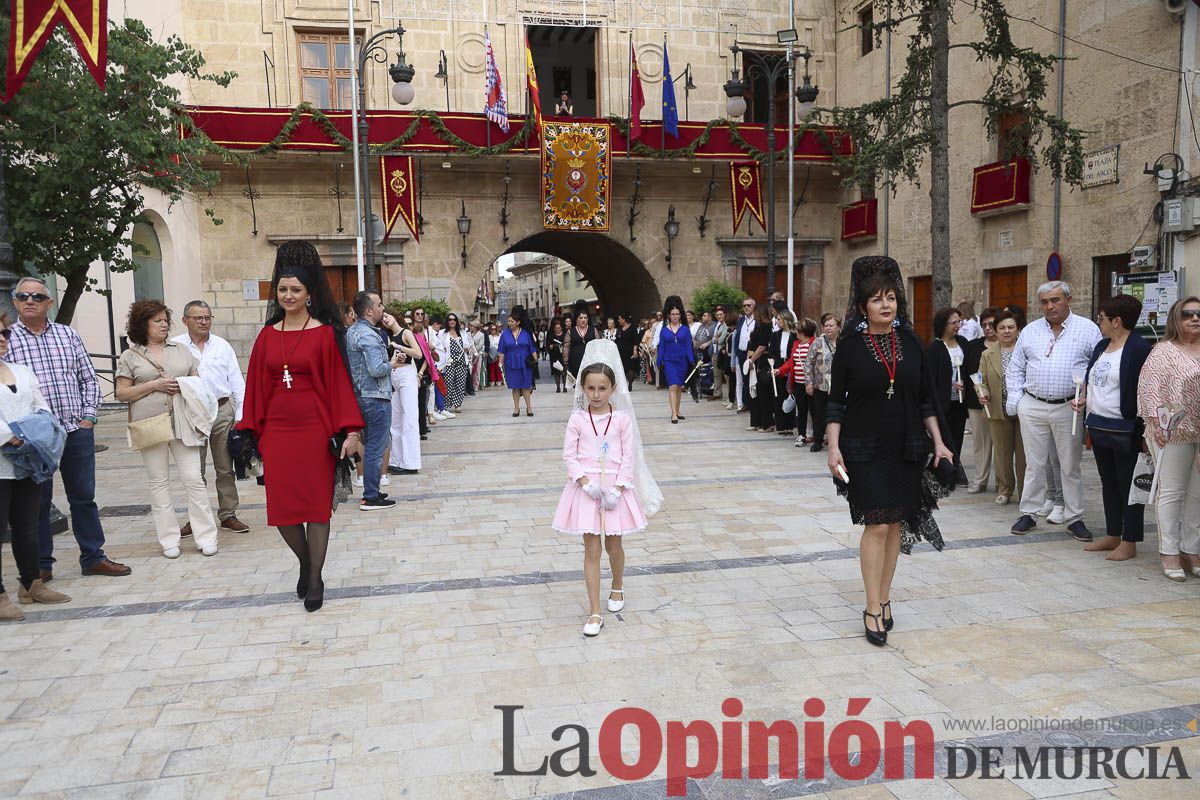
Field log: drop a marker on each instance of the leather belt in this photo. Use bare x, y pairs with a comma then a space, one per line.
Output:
1051, 402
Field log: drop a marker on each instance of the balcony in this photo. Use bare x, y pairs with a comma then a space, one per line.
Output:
860, 220
1000, 188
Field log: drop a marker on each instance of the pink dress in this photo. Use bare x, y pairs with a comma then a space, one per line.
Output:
578, 513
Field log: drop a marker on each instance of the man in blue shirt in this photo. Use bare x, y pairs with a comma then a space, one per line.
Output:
371, 372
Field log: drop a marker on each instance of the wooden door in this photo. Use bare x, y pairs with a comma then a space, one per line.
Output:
922, 306
343, 282
1009, 286
754, 282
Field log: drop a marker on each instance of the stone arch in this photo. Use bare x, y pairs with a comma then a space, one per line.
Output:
621, 280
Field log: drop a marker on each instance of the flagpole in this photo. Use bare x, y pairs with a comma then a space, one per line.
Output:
629, 96
663, 146
487, 123
358, 210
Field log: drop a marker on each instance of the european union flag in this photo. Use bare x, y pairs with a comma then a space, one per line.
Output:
670, 111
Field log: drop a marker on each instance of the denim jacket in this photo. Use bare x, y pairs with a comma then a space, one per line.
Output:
368, 359
43, 441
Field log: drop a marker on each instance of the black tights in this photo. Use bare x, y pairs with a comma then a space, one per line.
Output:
310, 548
19, 505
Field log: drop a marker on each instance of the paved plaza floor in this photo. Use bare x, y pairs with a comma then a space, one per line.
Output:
205, 678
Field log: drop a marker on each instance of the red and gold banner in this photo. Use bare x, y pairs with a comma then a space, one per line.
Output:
1000, 187
576, 176
399, 194
252, 128
745, 190
859, 220
34, 20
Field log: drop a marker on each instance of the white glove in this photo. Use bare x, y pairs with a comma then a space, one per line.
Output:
611, 497
593, 490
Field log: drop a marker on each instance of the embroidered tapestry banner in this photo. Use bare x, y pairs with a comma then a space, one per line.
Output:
399, 194
745, 190
576, 175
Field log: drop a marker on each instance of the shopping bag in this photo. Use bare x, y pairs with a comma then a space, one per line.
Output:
1143, 479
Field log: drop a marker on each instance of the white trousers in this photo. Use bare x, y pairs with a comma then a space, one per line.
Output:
406, 431
981, 447
1045, 426
1178, 500
739, 381
187, 464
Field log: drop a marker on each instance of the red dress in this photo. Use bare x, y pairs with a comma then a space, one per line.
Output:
293, 425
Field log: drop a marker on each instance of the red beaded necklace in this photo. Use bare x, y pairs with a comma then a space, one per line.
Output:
891, 368
593, 421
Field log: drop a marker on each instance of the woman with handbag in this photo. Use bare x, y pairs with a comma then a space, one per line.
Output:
1171, 380
1007, 447
300, 406
147, 379
1112, 421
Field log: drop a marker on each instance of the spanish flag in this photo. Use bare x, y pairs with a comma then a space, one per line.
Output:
534, 92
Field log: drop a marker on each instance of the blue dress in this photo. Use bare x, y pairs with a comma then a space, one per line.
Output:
675, 354
517, 372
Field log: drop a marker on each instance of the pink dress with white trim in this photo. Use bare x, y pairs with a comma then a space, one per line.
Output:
578, 513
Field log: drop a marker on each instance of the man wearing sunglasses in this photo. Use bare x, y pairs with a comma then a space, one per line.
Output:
741, 340
68, 380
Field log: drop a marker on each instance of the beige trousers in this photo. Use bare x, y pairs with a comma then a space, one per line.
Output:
1007, 447
218, 443
157, 459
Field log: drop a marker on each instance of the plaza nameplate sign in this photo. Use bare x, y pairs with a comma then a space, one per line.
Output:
1100, 167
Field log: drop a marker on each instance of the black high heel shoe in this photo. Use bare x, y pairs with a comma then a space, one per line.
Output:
888, 621
877, 638
302, 583
316, 598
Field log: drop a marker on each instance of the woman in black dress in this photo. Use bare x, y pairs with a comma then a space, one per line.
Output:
581, 332
762, 400
554, 351
883, 423
947, 354
778, 354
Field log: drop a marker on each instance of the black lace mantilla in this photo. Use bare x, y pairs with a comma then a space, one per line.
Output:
918, 525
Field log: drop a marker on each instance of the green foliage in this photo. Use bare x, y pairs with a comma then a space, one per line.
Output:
893, 136
715, 293
433, 308
77, 158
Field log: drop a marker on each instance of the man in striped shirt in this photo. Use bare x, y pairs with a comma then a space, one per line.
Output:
68, 380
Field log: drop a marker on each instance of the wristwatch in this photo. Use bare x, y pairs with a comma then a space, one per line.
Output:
90, 418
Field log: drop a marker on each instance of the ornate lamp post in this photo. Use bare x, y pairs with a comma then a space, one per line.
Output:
464, 227
771, 69
671, 228
402, 93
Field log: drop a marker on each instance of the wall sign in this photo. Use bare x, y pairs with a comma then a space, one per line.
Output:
1100, 167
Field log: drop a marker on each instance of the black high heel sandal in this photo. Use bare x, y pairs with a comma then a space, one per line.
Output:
315, 598
888, 621
877, 638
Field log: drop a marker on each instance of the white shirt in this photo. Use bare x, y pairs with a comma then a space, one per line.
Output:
1104, 385
747, 328
219, 369
1045, 365
970, 329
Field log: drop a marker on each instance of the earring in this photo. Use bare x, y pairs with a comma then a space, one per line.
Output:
308, 302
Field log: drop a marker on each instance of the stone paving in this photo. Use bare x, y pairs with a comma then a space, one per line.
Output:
205, 678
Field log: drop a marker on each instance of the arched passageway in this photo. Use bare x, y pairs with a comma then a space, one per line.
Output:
621, 280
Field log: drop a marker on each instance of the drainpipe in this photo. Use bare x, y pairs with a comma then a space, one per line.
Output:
1187, 65
1062, 68
887, 82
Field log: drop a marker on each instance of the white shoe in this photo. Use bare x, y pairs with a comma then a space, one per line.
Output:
729, 406
1046, 508
171, 552
976, 489
209, 550
385, 479
800, 441
593, 628
447, 415
1057, 516
1001, 499
616, 605
358, 481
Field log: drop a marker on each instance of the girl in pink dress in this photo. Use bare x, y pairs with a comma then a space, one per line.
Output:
607, 487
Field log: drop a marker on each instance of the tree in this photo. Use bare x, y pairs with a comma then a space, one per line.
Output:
77, 158
894, 136
715, 293
433, 308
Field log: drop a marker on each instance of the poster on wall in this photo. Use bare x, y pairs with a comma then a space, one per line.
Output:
1157, 292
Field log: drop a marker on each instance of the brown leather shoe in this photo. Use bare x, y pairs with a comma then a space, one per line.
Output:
186, 530
234, 524
38, 592
46, 575
107, 567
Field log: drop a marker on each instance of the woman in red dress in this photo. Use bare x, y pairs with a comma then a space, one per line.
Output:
298, 396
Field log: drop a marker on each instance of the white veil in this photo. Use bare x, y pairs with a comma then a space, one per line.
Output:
605, 351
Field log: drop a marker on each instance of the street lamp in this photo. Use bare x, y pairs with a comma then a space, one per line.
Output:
443, 75
806, 95
770, 69
464, 227
671, 228
402, 92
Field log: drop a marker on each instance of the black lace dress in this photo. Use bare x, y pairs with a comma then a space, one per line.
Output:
883, 440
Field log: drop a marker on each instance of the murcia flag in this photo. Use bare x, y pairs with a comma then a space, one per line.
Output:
636, 98
33, 21
534, 90
495, 102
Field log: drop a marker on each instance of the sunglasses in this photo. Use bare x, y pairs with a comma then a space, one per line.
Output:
1189, 313
6, 333
36, 297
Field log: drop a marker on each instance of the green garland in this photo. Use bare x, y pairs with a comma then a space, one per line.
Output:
464, 147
